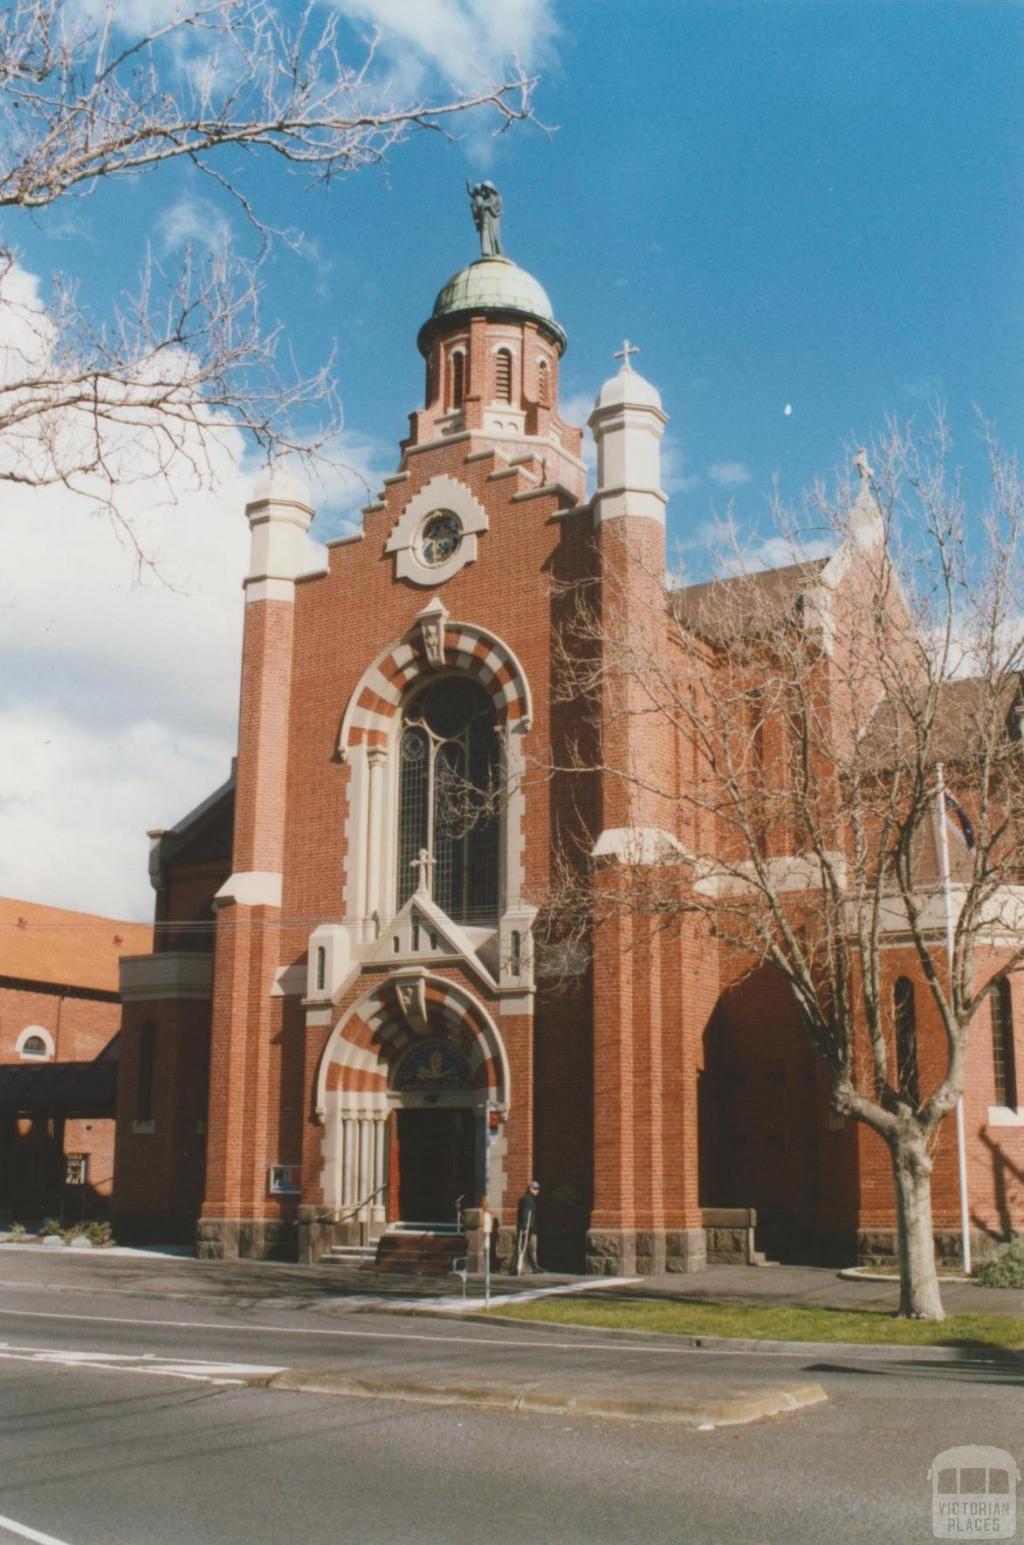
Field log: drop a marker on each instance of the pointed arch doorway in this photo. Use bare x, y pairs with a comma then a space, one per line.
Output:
436, 1158
404, 1091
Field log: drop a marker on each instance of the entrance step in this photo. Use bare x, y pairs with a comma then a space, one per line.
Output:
349, 1255
417, 1254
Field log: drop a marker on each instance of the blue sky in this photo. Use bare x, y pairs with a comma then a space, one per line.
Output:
813, 202
804, 202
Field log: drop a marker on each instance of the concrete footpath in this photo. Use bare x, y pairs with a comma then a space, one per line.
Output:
180, 1274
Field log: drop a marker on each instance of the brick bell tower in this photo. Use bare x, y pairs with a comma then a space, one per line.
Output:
374, 1056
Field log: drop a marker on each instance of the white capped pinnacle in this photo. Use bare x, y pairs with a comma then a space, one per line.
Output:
627, 388
281, 484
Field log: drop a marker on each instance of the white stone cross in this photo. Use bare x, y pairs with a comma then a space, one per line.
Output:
624, 353
423, 864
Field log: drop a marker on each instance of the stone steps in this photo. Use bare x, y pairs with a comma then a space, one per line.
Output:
349, 1255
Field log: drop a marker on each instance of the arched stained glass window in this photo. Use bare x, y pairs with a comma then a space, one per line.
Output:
449, 771
907, 1076
1004, 1063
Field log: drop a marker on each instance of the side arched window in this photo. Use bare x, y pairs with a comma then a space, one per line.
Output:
1004, 1063
907, 1077
449, 773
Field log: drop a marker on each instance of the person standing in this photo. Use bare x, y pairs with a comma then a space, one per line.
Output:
526, 1231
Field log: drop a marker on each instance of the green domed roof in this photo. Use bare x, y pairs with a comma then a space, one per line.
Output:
493, 284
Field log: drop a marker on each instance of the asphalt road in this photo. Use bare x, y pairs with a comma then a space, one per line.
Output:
121, 1424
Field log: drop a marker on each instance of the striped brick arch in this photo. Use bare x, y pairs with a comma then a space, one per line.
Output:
369, 1042
378, 696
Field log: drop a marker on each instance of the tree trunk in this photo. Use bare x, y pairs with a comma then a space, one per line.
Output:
919, 1280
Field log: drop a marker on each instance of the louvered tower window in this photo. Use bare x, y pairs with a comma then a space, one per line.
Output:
448, 774
458, 364
543, 384
1004, 1063
503, 376
907, 1076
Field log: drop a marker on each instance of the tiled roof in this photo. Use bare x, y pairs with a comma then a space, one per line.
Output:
959, 727
721, 608
66, 949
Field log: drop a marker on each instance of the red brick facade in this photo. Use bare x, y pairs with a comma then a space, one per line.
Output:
335, 1037
60, 1015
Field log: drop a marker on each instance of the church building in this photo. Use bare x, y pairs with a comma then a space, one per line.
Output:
351, 1031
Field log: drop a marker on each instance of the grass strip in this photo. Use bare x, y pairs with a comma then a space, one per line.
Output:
867, 1327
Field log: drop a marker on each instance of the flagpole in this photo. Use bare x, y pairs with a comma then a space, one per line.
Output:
961, 1141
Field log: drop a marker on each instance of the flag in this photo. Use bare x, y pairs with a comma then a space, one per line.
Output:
963, 819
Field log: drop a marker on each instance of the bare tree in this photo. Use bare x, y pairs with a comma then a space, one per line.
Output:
852, 785
86, 96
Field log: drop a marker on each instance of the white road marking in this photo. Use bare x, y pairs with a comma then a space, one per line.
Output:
144, 1362
25, 1533
548, 1344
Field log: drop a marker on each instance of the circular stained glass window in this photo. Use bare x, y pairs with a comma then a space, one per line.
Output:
440, 537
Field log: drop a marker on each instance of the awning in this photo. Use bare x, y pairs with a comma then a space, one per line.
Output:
59, 1089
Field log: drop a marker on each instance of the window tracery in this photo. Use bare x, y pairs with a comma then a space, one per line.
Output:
449, 766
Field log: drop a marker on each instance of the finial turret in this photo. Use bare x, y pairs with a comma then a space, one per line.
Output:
485, 202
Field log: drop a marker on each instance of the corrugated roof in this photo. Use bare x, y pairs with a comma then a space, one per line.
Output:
66, 949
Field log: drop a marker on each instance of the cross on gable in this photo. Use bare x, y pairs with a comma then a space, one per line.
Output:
422, 863
624, 353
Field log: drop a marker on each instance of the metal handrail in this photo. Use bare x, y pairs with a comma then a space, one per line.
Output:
357, 1207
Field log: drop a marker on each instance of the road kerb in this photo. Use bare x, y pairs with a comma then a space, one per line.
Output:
874, 1351
703, 1411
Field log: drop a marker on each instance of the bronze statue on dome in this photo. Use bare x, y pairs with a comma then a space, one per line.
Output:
485, 201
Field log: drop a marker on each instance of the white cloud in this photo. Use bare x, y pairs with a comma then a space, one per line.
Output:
674, 480
347, 476
464, 40
433, 47
119, 693
194, 220
728, 474
928, 389
119, 697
